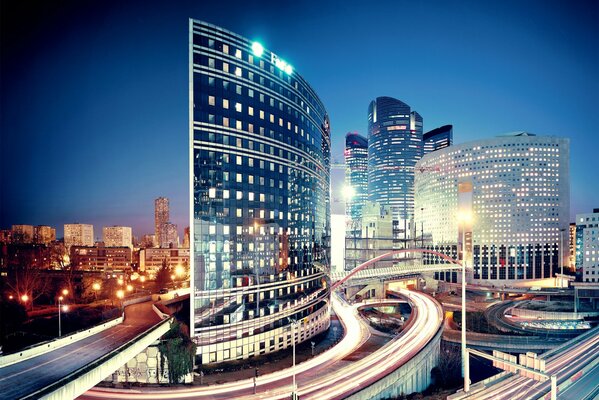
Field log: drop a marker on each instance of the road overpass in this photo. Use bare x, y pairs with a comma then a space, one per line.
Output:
70, 370
575, 363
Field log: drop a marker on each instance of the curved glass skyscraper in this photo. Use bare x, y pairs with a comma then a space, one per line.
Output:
356, 175
260, 156
394, 146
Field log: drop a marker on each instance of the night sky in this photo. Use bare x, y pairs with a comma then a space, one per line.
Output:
94, 94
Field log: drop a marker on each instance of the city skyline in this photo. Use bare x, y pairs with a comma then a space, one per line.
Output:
487, 71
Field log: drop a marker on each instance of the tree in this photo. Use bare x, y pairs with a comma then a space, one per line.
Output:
24, 277
179, 351
163, 277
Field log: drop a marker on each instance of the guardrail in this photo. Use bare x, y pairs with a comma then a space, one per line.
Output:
79, 381
45, 347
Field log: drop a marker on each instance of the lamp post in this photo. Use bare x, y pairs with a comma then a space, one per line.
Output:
96, 286
293, 330
464, 217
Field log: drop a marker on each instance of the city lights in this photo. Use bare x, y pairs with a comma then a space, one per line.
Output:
257, 49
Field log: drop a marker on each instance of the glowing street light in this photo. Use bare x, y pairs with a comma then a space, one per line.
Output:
96, 286
60, 298
179, 270
129, 288
25, 298
65, 292
120, 281
120, 294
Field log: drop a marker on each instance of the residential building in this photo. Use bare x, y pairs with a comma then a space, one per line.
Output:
394, 146
516, 188
118, 236
78, 235
101, 258
587, 245
186, 238
438, 138
151, 259
148, 241
44, 234
260, 143
170, 237
572, 246
22, 233
161, 218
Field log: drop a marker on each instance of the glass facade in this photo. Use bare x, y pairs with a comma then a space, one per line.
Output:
260, 143
394, 147
519, 200
438, 138
356, 176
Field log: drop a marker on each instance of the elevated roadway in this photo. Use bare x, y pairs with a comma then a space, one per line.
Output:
43, 375
331, 375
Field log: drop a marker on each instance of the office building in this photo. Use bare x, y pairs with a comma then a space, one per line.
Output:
356, 177
572, 246
394, 146
118, 236
516, 187
260, 235
438, 138
78, 235
161, 218
587, 245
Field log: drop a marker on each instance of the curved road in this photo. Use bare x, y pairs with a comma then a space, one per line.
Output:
26, 377
327, 376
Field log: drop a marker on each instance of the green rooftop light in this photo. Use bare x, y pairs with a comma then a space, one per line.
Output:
257, 49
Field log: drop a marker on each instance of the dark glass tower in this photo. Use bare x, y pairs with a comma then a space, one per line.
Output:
260, 172
356, 175
394, 146
438, 138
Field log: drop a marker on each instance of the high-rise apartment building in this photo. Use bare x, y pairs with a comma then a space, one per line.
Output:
170, 237
186, 238
394, 146
260, 153
587, 245
516, 188
356, 177
161, 218
438, 138
44, 234
118, 236
79, 235
22, 233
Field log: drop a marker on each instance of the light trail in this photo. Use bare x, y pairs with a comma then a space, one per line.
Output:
325, 376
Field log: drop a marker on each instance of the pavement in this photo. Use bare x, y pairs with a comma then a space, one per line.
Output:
16, 379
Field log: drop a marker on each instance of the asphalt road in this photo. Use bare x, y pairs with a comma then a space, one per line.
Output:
585, 388
23, 378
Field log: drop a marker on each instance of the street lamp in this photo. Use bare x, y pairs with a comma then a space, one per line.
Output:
120, 294
96, 286
60, 299
293, 330
464, 218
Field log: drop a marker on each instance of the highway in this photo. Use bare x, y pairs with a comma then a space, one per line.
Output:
565, 364
327, 376
16, 380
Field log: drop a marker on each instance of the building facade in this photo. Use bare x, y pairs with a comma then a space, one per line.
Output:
356, 177
118, 236
516, 189
161, 218
587, 245
572, 243
260, 152
151, 260
438, 138
78, 235
101, 258
22, 233
44, 234
394, 147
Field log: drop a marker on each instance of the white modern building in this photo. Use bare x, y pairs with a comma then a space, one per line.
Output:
118, 236
587, 245
78, 235
515, 189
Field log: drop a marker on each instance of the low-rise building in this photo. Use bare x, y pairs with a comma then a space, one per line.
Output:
587, 245
151, 259
101, 258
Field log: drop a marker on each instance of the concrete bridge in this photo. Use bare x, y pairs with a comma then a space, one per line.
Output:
68, 367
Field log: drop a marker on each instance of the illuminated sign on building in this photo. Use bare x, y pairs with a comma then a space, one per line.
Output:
281, 64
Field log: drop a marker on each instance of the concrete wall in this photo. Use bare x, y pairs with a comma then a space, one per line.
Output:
413, 376
78, 382
56, 344
144, 368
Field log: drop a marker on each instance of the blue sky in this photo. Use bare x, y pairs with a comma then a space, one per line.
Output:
94, 121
